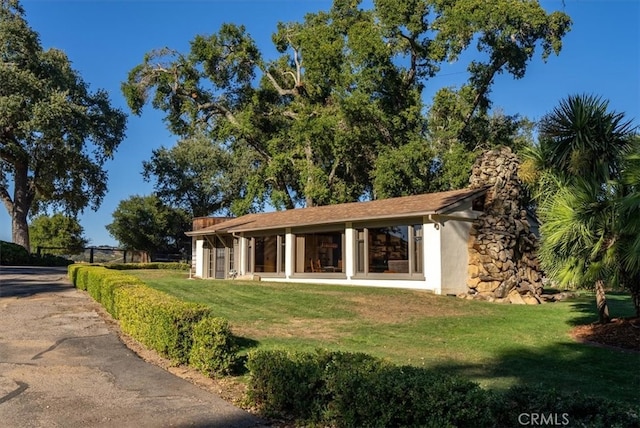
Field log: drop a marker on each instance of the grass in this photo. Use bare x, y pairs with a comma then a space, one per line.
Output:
495, 345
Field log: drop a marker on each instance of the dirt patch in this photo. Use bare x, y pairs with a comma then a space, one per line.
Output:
619, 333
381, 309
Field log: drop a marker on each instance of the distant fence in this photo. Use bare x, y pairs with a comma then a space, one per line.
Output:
98, 254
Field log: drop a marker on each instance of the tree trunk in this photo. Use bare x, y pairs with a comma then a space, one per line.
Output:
309, 202
601, 303
635, 297
22, 197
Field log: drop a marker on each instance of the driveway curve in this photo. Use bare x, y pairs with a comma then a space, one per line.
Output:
62, 365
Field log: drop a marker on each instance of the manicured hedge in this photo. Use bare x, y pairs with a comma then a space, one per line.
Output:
184, 332
357, 390
214, 349
152, 265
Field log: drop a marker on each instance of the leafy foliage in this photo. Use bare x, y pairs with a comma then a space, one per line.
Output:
57, 231
353, 390
322, 123
582, 174
145, 223
57, 134
175, 329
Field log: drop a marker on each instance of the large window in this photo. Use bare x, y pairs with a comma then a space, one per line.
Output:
389, 250
319, 252
267, 254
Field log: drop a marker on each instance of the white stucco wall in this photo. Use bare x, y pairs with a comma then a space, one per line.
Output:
455, 256
432, 241
199, 271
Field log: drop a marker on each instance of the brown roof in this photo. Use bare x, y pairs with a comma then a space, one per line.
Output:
405, 206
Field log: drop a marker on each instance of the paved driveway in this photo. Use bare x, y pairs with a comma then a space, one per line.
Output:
62, 365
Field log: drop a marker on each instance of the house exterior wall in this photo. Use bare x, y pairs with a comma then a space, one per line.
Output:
200, 262
455, 256
432, 259
444, 258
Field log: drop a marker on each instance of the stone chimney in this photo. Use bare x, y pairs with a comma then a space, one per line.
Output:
502, 249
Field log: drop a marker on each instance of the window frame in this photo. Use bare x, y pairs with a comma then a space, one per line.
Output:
415, 249
325, 229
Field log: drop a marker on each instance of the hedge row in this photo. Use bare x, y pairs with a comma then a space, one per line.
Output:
16, 255
187, 333
152, 265
356, 390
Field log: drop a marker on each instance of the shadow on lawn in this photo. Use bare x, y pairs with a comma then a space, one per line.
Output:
566, 367
245, 344
619, 303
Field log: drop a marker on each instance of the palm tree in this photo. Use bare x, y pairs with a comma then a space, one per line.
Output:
581, 137
629, 225
577, 237
577, 168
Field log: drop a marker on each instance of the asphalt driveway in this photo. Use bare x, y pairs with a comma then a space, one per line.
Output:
62, 365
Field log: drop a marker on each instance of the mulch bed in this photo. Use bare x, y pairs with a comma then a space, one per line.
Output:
619, 333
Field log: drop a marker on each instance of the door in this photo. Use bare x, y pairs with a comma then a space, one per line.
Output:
220, 263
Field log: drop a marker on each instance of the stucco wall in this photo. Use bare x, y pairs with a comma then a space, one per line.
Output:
200, 258
455, 256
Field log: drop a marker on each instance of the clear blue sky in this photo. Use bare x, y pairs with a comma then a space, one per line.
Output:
105, 39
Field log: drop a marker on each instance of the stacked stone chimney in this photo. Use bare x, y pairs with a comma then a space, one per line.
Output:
502, 249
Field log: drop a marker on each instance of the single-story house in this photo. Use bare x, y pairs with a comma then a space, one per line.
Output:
418, 242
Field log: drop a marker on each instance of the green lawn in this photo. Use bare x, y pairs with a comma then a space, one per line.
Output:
495, 345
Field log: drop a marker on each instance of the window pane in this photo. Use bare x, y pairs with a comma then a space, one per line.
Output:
266, 250
389, 249
361, 251
417, 248
319, 252
282, 253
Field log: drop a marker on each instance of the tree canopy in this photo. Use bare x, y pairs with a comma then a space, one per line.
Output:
319, 124
55, 134
145, 223
57, 230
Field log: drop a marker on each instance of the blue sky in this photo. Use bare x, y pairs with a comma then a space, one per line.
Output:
105, 39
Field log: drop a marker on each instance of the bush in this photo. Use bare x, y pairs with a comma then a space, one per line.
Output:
152, 265
520, 403
214, 350
353, 390
385, 395
158, 320
13, 254
286, 384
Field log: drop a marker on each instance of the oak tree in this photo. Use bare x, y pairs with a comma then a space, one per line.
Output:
55, 134
317, 124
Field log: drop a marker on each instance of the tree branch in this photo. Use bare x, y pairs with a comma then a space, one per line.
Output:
484, 86
281, 92
6, 199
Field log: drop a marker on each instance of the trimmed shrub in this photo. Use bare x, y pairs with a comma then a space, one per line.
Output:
286, 384
519, 404
214, 350
152, 265
353, 390
158, 320
381, 395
